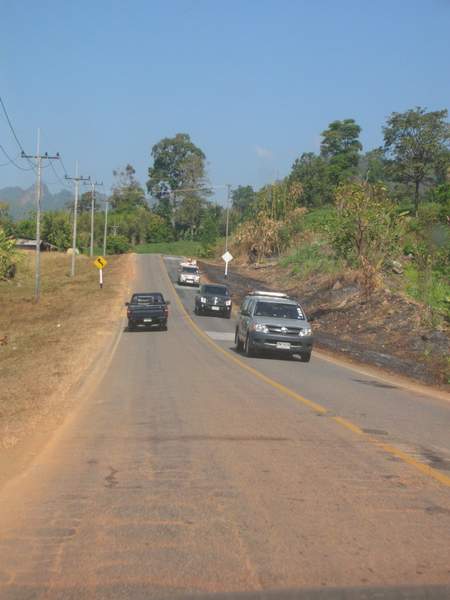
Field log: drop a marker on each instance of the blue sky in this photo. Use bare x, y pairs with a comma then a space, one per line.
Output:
254, 82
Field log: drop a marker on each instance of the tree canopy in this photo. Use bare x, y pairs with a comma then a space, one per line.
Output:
177, 164
340, 146
417, 143
127, 194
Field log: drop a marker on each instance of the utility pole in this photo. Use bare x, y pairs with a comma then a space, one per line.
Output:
228, 216
77, 180
105, 232
93, 184
39, 158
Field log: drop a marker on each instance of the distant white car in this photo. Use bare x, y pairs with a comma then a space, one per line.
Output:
189, 274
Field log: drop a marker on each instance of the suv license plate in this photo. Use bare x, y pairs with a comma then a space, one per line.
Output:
283, 345
215, 307
148, 320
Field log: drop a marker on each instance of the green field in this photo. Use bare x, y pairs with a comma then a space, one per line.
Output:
179, 248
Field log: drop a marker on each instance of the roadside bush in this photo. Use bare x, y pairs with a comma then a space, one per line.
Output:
56, 229
367, 230
429, 242
8, 256
117, 244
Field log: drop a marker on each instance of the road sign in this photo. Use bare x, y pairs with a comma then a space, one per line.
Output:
100, 262
227, 257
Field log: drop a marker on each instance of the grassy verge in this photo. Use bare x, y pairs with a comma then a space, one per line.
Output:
45, 347
435, 293
178, 248
309, 259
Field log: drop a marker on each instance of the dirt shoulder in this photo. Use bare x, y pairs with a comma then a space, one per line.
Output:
385, 331
46, 349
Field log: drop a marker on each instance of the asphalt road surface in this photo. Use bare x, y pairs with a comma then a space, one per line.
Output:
189, 469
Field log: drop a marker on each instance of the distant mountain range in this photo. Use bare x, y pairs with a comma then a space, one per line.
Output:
22, 201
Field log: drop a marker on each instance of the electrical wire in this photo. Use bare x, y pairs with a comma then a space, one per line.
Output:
63, 166
13, 162
14, 132
64, 184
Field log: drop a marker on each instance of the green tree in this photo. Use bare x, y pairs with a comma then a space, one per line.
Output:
56, 229
158, 229
311, 171
127, 194
188, 214
242, 199
416, 143
208, 231
367, 229
26, 227
178, 165
372, 166
85, 203
340, 147
117, 244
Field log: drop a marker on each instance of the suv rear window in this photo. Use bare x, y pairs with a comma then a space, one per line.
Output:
215, 290
278, 310
190, 270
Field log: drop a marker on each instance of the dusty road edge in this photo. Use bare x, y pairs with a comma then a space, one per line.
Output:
15, 461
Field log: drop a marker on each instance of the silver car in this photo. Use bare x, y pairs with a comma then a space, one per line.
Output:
274, 322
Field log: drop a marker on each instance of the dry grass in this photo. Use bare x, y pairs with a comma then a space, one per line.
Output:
44, 347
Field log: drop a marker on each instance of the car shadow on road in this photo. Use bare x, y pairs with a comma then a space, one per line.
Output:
268, 355
144, 330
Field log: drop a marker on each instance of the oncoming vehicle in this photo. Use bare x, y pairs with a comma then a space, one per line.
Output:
147, 309
189, 274
272, 321
214, 299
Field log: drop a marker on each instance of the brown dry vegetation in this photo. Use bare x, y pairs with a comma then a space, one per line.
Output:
46, 347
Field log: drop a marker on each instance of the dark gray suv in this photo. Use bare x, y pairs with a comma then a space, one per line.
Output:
272, 321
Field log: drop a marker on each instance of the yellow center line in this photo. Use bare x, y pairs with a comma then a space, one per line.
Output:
317, 408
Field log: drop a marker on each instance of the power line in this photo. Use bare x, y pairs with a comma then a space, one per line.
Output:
63, 166
13, 162
13, 132
6, 164
58, 177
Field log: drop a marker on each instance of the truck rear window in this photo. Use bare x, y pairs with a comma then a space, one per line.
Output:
147, 299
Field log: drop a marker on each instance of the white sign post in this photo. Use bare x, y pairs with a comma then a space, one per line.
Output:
227, 257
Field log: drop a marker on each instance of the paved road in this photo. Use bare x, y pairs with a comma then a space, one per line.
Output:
190, 469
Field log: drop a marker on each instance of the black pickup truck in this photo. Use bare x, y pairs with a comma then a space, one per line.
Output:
147, 309
215, 299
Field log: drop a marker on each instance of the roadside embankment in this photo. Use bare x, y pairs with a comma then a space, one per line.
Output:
47, 347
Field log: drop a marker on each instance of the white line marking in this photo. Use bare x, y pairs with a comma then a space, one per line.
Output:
221, 336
